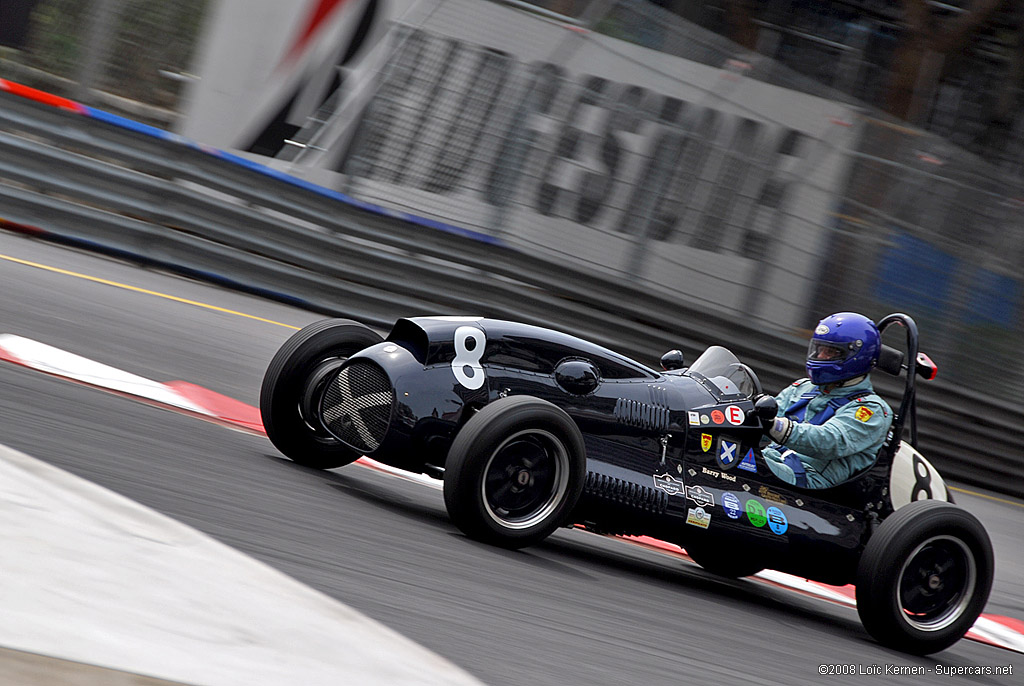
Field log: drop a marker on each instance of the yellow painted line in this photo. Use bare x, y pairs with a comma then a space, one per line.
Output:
850, 218
895, 127
987, 497
144, 291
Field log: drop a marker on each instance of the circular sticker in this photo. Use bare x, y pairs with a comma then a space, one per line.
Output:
704, 419
734, 414
777, 521
755, 513
717, 417
731, 505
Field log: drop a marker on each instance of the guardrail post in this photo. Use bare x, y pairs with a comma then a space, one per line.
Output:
96, 45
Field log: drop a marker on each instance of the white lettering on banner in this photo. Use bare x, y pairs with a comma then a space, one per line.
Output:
616, 151
582, 147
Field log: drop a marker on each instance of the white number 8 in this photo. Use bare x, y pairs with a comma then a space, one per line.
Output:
467, 357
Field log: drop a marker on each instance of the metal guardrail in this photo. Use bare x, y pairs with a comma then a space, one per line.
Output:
164, 201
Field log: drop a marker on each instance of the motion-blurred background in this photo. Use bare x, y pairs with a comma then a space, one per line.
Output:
725, 171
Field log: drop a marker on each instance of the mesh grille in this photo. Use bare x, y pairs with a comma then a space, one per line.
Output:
357, 405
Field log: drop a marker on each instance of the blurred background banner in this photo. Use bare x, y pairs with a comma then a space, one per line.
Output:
769, 161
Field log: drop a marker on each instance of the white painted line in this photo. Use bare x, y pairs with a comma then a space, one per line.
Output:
991, 631
57, 362
400, 473
806, 586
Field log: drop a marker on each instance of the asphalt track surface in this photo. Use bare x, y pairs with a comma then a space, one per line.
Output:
577, 609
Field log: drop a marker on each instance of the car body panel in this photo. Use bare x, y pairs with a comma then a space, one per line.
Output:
675, 454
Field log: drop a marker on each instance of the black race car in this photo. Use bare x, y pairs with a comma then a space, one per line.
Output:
531, 429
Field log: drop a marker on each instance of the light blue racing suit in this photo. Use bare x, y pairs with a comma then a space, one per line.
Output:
833, 435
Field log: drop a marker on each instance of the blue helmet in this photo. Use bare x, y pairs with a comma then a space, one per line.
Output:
844, 345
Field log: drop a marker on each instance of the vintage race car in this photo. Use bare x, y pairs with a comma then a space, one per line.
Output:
531, 429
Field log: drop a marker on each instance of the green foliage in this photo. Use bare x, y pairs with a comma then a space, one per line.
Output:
146, 38
54, 40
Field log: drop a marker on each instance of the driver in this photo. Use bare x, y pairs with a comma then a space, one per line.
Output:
831, 425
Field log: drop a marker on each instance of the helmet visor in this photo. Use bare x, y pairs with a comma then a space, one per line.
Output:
827, 351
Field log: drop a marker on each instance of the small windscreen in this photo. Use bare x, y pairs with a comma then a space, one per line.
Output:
726, 372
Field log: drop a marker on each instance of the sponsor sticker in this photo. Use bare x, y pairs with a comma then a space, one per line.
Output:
705, 442
769, 494
693, 418
731, 505
748, 464
777, 521
717, 417
700, 496
698, 517
727, 453
735, 415
704, 419
821, 329
668, 483
863, 414
755, 513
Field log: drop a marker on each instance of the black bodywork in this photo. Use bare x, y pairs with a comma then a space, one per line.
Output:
672, 454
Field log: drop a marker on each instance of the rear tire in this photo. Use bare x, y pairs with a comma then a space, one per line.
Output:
514, 472
924, 577
300, 437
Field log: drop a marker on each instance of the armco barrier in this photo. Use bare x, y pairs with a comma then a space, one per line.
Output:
83, 177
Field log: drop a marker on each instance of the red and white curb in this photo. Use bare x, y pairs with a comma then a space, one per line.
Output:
996, 630
188, 398
178, 396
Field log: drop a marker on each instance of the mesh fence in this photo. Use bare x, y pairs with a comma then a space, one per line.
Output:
677, 182
701, 197
126, 55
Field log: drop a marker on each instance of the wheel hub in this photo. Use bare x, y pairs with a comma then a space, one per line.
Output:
525, 478
936, 583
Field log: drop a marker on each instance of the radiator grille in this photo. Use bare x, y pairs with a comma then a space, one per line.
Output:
357, 405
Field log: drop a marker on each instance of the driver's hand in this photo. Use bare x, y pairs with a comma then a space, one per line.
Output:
778, 429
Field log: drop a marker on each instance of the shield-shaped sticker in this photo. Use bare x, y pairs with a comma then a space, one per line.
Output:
705, 442
728, 454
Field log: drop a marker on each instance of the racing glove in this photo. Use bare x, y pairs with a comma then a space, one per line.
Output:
776, 428
779, 430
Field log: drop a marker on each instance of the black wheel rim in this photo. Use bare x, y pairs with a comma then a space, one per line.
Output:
936, 583
525, 479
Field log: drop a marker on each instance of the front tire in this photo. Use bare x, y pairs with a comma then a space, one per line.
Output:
514, 472
924, 577
289, 421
